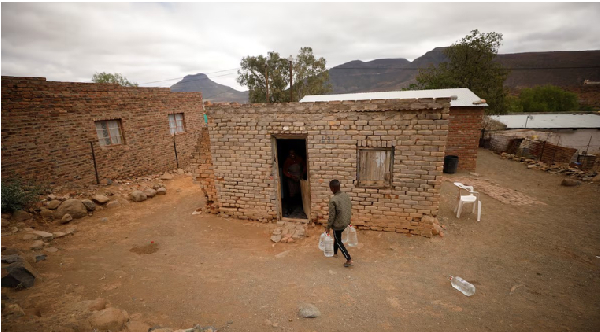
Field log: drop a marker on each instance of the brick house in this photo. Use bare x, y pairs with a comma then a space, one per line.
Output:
465, 121
65, 132
387, 154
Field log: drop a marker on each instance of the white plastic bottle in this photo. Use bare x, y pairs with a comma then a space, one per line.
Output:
321, 241
345, 235
328, 246
462, 285
352, 236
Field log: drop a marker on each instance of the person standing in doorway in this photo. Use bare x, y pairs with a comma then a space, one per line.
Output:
294, 169
340, 212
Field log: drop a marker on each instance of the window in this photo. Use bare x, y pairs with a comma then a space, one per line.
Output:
109, 132
176, 123
375, 167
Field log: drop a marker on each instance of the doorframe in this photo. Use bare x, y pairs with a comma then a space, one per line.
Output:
279, 206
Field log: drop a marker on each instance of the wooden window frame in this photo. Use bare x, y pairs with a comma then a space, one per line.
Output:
110, 136
391, 180
179, 125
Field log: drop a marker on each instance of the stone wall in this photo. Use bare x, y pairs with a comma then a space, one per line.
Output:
242, 152
464, 131
47, 128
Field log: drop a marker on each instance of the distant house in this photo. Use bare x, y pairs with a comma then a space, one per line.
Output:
464, 122
577, 131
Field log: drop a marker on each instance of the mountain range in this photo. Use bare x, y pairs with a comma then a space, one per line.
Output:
564, 68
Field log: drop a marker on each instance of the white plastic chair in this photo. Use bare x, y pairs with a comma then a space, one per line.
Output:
471, 197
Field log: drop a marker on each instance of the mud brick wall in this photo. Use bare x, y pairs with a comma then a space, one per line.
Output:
202, 169
498, 142
242, 152
464, 131
47, 128
550, 153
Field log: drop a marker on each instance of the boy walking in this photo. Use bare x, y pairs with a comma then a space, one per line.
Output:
340, 211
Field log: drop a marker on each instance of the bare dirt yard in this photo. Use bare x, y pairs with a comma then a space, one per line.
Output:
534, 259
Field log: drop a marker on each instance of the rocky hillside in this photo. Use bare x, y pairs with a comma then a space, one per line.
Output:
211, 91
528, 69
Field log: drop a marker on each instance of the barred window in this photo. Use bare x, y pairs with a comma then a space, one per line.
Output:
176, 124
109, 132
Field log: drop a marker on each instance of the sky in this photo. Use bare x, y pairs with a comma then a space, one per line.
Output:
153, 43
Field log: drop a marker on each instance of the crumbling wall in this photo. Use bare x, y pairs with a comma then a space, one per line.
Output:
242, 152
464, 131
202, 170
550, 153
48, 130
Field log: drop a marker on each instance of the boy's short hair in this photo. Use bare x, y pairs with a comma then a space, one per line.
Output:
334, 183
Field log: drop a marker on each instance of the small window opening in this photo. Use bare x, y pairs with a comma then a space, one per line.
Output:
176, 124
109, 132
375, 167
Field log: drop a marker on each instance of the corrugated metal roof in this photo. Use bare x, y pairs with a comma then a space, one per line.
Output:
549, 121
465, 97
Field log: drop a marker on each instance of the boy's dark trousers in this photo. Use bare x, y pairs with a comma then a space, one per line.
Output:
337, 235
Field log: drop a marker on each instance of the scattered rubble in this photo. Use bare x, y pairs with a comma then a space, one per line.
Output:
66, 218
19, 274
74, 207
100, 199
555, 168
288, 232
137, 196
161, 191
167, 176
20, 215
89, 205
570, 183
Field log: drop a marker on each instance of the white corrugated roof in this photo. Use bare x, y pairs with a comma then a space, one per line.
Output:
465, 97
549, 121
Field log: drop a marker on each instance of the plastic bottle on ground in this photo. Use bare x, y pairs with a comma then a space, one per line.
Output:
352, 236
328, 244
321, 241
462, 285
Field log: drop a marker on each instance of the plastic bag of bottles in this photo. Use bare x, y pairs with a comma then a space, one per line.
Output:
352, 236
321, 241
328, 246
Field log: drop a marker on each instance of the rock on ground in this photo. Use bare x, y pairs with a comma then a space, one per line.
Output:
101, 199
11, 258
59, 234
12, 310
53, 204
66, 218
167, 176
20, 274
570, 182
48, 214
74, 207
109, 319
276, 238
137, 196
37, 245
51, 249
43, 235
161, 191
113, 204
307, 310
150, 192
20, 215
89, 205
136, 326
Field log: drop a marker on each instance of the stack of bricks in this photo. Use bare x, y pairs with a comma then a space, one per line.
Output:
550, 153
243, 137
47, 128
464, 132
202, 170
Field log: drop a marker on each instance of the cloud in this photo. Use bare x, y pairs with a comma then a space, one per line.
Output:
157, 41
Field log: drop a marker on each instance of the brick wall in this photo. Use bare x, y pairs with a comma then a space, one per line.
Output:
202, 169
550, 153
47, 128
464, 131
241, 145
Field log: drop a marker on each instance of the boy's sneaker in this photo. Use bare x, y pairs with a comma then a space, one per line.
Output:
348, 263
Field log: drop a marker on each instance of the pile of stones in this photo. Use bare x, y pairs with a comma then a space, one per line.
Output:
556, 168
288, 232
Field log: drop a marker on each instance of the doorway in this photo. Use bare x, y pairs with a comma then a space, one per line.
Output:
293, 186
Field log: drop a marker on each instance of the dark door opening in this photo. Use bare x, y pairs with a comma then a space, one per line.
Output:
294, 189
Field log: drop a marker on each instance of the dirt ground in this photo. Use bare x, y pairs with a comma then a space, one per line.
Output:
535, 266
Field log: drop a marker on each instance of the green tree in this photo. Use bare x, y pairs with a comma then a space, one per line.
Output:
470, 65
115, 78
547, 98
309, 76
